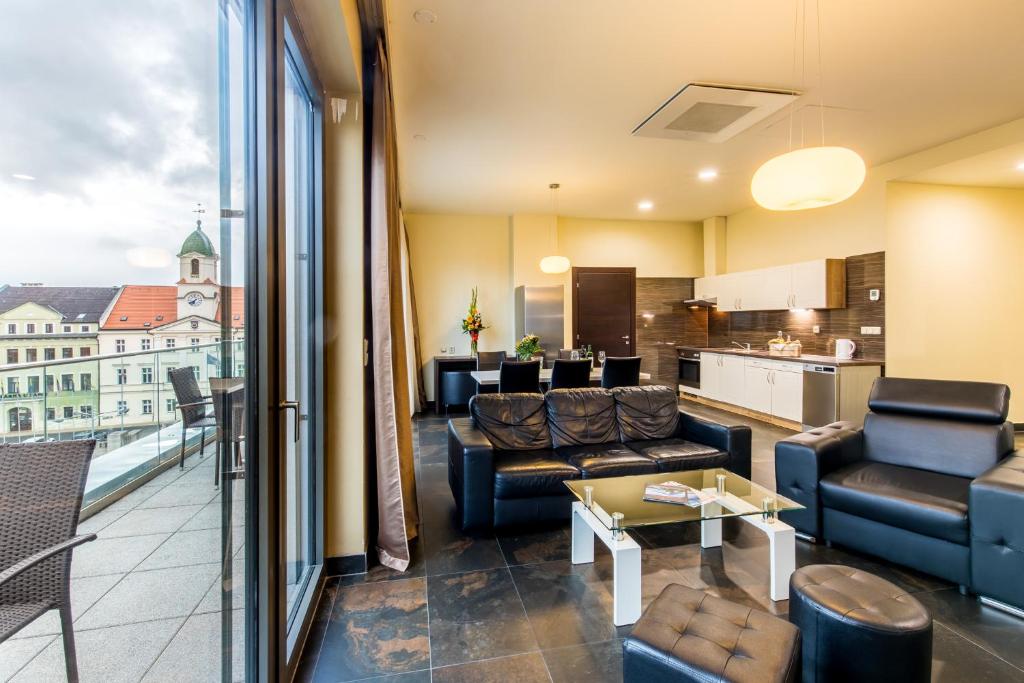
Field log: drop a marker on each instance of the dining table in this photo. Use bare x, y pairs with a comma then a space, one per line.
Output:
490, 377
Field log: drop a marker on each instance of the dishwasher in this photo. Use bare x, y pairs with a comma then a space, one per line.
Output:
821, 391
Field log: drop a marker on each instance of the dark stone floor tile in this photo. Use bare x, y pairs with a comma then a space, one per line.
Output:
995, 631
317, 629
592, 663
528, 668
433, 454
567, 604
417, 568
411, 677
904, 577
955, 659
376, 629
476, 615
538, 546
732, 581
448, 551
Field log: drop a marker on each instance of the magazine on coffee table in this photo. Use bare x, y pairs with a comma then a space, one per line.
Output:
678, 494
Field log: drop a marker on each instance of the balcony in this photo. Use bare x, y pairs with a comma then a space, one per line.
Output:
150, 599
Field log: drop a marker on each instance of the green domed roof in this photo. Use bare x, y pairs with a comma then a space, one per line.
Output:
197, 243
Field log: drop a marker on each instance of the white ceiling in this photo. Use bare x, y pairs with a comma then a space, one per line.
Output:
513, 95
998, 168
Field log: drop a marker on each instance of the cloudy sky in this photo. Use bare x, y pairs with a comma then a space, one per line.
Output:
111, 106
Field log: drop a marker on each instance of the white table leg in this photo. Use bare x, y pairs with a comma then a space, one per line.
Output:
711, 529
626, 596
782, 546
582, 536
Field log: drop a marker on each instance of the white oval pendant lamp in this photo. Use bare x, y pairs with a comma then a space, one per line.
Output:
554, 264
808, 178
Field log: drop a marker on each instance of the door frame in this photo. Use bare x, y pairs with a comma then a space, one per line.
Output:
623, 270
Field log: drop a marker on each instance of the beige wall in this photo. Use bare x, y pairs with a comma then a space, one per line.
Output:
955, 292
451, 254
656, 248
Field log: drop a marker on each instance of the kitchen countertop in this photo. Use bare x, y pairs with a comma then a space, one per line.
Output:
805, 358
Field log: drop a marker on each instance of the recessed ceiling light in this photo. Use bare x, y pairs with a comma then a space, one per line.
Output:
645, 205
424, 16
1020, 166
708, 174
23, 176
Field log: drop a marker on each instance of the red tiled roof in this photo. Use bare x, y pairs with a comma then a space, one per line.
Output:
237, 307
139, 304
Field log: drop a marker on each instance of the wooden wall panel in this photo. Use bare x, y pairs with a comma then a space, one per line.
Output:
661, 322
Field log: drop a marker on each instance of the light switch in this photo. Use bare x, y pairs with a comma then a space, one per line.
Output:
816, 329
871, 330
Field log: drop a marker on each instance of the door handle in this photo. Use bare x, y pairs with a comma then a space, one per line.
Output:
625, 336
293, 405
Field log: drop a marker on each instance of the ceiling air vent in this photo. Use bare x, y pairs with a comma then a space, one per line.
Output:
712, 113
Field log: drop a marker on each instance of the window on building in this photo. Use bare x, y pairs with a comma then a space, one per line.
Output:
147, 406
12, 356
48, 328
12, 328
33, 385
49, 384
85, 381
12, 385
67, 352
195, 267
67, 382
169, 343
195, 372
122, 375
119, 346
69, 412
49, 354
195, 342
147, 343
30, 328
171, 405
51, 413
147, 375
67, 328
122, 407
85, 411
84, 328
85, 351
31, 355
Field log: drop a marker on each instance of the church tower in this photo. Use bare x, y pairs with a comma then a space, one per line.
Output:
198, 291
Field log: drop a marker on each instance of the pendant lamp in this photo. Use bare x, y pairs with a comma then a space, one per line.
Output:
809, 177
554, 264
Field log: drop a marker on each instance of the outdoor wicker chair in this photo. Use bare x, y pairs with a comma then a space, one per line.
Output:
41, 488
192, 405
228, 395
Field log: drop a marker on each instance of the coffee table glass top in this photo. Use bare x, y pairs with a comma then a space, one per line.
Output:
626, 495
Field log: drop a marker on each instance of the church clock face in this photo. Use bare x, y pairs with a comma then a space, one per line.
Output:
194, 299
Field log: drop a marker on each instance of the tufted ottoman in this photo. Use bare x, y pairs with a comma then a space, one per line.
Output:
686, 635
858, 627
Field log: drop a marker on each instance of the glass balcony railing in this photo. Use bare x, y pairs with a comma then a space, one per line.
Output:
124, 401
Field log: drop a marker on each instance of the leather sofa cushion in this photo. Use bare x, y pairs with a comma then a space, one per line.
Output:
581, 416
649, 412
687, 635
962, 449
523, 474
924, 502
980, 402
674, 455
606, 460
512, 421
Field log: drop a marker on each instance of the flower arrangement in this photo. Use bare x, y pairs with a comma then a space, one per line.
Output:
473, 324
528, 347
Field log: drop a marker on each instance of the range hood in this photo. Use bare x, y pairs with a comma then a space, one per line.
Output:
707, 302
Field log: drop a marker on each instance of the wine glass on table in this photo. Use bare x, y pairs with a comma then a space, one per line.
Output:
574, 355
600, 357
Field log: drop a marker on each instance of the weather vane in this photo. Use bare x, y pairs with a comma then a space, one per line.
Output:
199, 211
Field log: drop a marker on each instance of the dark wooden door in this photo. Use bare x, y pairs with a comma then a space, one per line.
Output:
604, 310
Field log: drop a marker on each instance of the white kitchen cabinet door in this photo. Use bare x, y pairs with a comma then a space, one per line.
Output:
809, 284
730, 380
705, 287
728, 292
788, 394
768, 289
709, 375
757, 391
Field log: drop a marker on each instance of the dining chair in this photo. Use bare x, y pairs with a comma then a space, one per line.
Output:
519, 376
192, 405
228, 397
41, 489
570, 374
489, 360
621, 372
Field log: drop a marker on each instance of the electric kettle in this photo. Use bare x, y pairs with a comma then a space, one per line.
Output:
845, 349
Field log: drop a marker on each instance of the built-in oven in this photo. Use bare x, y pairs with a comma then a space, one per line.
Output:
689, 367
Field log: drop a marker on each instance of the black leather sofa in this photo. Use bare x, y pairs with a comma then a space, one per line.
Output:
507, 461
931, 481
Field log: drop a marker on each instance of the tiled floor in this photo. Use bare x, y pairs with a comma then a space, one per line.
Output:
511, 607
145, 596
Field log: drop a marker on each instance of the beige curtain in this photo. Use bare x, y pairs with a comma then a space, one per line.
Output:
417, 395
396, 486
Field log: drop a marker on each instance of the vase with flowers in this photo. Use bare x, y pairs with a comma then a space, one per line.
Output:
528, 347
473, 324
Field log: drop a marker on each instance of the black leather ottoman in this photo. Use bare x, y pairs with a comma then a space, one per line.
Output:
689, 636
858, 627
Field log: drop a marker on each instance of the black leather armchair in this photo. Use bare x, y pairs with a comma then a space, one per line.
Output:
508, 461
931, 481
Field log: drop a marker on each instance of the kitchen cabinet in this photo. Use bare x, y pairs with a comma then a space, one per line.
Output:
787, 381
709, 374
810, 284
705, 287
731, 377
757, 388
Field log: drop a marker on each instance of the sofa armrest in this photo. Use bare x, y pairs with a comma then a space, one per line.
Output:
734, 440
803, 459
996, 508
471, 473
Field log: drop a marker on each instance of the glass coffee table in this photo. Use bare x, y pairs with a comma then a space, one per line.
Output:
609, 507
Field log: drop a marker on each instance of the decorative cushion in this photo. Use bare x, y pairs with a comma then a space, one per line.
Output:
515, 422
606, 460
581, 416
522, 474
693, 637
649, 412
674, 455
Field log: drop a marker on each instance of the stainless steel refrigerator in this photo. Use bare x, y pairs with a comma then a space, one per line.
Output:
541, 311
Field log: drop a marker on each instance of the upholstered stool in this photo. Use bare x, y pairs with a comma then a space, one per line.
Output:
858, 627
689, 636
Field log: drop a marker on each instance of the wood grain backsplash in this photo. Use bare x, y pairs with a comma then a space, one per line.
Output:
863, 273
663, 322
